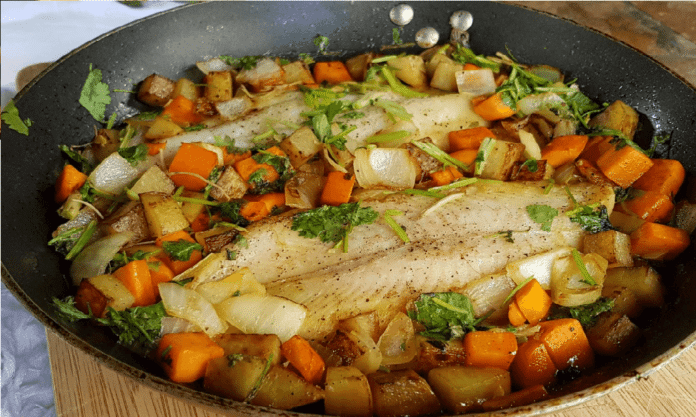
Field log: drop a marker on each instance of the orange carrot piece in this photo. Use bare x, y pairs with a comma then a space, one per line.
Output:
490, 349
333, 72
181, 111
658, 242
69, 181
230, 158
532, 365
445, 176
89, 298
304, 358
200, 223
184, 356
193, 159
246, 167
254, 211
651, 206
566, 343
534, 303
493, 108
153, 148
519, 398
624, 166
135, 275
515, 316
337, 189
468, 138
159, 272
564, 149
469, 66
665, 176
271, 200
175, 265
595, 147
466, 156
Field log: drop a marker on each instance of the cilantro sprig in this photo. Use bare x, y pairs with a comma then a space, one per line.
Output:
181, 250
445, 315
333, 224
10, 115
95, 94
542, 214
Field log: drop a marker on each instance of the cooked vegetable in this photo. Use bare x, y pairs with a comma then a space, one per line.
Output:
333, 72
462, 389
563, 149
493, 108
468, 138
532, 302
651, 206
189, 305
659, 242
304, 358
263, 314
191, 166
218, 86
184, 356
613, 335
282, 388
337, 189
624, 165
181, 251
97, 293
235, 375
182, 111
644, 281
347, 392
489, 349
402, 393
566, 343
162, 128
69, 181
135, 275
611, 245
617, 116
155, 90
665, 177
519, 398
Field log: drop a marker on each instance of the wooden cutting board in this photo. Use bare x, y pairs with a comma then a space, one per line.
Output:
85, 388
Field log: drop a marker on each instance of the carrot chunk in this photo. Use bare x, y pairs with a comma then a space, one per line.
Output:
659, 242
493, 108
260, 206
333, 72
181, 111
564, 149
651, 206
519, 398
465, 156
445, 176
195, 160
532, 365
153, 148
566, 343
595, 147
304, 358
337, 189
469, 66
159, 272
533, 302
89, 298
69, 181
135, 275
490, 349
665, 176
184, 356
178, 266
624, 166
515, 316
468, 138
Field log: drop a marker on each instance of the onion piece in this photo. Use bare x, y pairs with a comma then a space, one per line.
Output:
477, 82
398, 343
371, 358
177, 325
535, 102
385, 167
95, 257
538, 266
547, 72
566, 174
488, 293
213, 64
531, 147
189, 305
114, 173
237, 106
568, 287
241, 282
263, 314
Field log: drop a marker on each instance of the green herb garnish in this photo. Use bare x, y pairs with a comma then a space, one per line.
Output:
396, 35
134, 154
333, 224
85, 166
322, 42
245, 62
400, 232
586, 314
446, 315
95, 94
543, 215
181, 249
10, 115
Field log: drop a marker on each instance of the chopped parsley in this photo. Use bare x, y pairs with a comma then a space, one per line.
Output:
592, 218
306, 58
95, 94
543, 215
134, 154
195, 128
230, 211
181, 250
281, 164
229, 144
10, 115
333, 224
445, 315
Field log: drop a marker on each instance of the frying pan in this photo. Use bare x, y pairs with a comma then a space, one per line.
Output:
169, 44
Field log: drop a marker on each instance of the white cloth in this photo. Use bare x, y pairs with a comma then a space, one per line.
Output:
34, 32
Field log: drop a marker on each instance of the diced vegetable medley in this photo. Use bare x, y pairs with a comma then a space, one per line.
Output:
199, 231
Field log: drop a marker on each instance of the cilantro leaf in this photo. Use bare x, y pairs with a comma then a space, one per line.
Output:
134, 154
531, 164
229, 143
95, 94
281, 164
591, 218
230, 211
10, 115
542, 214
333, 224
586, 314
445, 315
181, 250
306, 58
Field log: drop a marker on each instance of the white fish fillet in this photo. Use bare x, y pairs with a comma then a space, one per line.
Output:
450, 246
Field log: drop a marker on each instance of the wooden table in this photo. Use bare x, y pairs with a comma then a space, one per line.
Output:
85, 388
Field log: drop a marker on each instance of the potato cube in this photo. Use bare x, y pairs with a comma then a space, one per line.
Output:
462, 388
499, 158
625, 300
162, 128
234, 376
230, 186
156, 90
154, 180
187, 88
432, 63
434, 354
191, 209
613, 335
297, 72
625, 223
282, 388
163, 214
618, 116
357, 65
105, 142
263, 76
347, 392
215, 239
95, 294
301, 146
444, 77
643, 281
265, 346
129, 218
303, 190
535, 171
611, 245
399, 393
411, 70
218, 86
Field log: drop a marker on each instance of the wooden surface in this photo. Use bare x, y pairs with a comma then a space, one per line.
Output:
665, 31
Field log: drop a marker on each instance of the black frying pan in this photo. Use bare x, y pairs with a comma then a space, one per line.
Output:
169, 43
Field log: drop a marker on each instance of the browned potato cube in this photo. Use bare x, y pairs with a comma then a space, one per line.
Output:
156, 90
297, 72
105, 142
95, 294
303, 190
163, 214
625, 223
262, 345
613, 335
187, 88
218, 86
153, 180
625, 300
499, 158
444, 77
537, 171
462, 389
230, 186
191, 209
644, 281
263, 76
301, 146
411, 70
435, 354
213, 240
347, 392
129, 218
357, 65
282, 388
618, 116
162, 128
593, 174
234, 376
399, 393
611, 245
